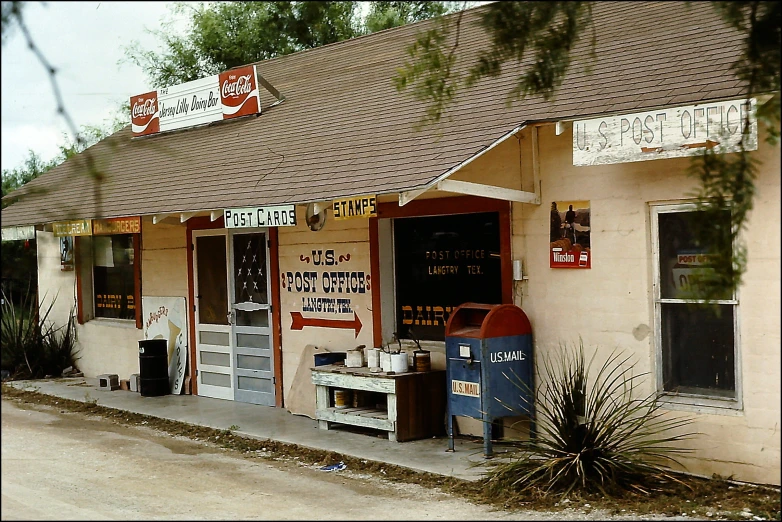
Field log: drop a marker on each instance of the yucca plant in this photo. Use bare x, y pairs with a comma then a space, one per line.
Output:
593, 434
31, 346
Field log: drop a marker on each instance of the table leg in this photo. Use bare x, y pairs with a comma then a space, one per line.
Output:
321, 403
392, 414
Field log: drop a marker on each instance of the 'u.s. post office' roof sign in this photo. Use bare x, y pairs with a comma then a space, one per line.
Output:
251, 217
665, 133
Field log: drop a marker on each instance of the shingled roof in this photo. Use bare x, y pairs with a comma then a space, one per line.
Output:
344, 130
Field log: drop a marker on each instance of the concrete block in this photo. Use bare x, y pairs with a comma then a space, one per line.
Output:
134, 381
108, 381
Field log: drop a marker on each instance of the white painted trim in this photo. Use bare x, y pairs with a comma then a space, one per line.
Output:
184, 216
690, 402
157, 218
535, 165
487, 191
214, 215
408, 196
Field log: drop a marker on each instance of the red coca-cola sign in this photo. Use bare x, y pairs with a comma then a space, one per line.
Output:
239, 92
144, 116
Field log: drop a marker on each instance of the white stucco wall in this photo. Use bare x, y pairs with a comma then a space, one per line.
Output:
108, 345
349, 241
611, 306
105, 345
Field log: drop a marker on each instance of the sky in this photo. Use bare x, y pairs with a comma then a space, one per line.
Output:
84, 41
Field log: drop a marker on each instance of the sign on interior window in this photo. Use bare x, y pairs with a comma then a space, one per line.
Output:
113, 276
440, 263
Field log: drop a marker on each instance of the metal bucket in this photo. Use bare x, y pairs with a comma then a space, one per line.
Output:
342, 398
422, 361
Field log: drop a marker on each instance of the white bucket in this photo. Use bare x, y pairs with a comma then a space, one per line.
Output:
399, 362
385, 361
373, 357
354, 359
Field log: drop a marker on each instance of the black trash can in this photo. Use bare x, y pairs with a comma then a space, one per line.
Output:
153, 367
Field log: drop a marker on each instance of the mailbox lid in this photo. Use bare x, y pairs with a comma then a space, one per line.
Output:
482, 321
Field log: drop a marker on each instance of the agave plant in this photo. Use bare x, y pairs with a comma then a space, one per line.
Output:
596, 434
31, 346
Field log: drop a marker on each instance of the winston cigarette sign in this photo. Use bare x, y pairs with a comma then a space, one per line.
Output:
222, 96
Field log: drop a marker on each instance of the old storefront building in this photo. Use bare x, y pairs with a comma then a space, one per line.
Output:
316, 217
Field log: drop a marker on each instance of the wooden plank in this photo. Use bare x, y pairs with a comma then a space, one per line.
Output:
378, 414
353, 382
321, 397
332, 415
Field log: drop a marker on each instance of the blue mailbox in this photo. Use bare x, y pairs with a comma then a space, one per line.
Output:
484, 345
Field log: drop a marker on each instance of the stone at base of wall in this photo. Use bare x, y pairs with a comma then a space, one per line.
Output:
108, 381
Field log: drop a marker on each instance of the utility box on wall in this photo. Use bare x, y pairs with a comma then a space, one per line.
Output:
488, 350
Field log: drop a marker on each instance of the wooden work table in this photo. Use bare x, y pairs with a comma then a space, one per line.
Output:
414, 405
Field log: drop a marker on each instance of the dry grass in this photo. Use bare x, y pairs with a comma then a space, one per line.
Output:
716, 499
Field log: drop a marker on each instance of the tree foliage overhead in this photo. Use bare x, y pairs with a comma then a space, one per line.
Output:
540, 37
222, 35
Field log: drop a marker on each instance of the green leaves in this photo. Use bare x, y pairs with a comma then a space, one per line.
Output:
30, 345
430, 71
547, 30
596, 430
222, 35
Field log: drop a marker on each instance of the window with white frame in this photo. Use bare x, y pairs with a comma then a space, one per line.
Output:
697, 340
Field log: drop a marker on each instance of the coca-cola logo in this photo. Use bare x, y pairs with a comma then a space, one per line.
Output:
242, 85
146, 108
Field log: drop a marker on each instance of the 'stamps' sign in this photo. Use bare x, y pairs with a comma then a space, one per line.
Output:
228, 95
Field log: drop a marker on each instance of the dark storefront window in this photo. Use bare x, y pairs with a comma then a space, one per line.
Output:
441, 262
113, 276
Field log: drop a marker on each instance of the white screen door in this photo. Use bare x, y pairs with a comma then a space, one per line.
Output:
251, 337
214, 355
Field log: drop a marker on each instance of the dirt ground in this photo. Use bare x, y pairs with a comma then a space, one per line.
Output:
129, 447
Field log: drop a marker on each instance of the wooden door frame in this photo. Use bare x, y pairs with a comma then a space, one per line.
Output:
205, 223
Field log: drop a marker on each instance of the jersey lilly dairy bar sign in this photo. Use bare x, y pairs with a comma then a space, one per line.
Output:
221, 96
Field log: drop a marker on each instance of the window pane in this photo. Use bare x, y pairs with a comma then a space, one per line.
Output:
250, 268
252, 341
212, 295
253, 384
114, 280
252, 318
250, 362
216, 379
697, 345
684, 262
440, 263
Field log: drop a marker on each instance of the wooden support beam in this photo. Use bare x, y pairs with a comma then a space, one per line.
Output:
157, 218
487, 191
409, 195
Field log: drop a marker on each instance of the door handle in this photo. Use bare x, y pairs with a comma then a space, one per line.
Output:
230, 316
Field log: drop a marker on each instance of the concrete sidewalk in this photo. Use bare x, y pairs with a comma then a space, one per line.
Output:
263, 422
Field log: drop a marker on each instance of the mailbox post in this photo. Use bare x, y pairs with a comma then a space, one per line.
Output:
484, 345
